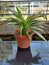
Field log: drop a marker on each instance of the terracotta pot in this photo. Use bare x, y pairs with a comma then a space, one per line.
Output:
23, 41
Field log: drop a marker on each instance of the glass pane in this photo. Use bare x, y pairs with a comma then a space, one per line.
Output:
39, 5
23, 7
13, 0
5, 7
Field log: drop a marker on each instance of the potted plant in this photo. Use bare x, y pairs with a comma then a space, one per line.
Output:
25, 28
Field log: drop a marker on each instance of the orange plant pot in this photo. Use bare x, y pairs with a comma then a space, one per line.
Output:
23, 41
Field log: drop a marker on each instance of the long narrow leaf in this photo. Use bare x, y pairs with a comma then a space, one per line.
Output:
19, 14
40, 35
36, 23
38, 29
33, 16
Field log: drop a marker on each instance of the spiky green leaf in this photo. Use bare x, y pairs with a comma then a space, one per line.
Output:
40, 35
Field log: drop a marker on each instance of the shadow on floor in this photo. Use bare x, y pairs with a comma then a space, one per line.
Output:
24, 57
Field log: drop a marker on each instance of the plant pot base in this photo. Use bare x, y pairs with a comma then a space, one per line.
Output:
23, 45
23, 48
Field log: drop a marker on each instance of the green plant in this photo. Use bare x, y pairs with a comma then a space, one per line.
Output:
30, 23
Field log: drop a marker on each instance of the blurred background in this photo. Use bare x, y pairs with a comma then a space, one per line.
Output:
27, 7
